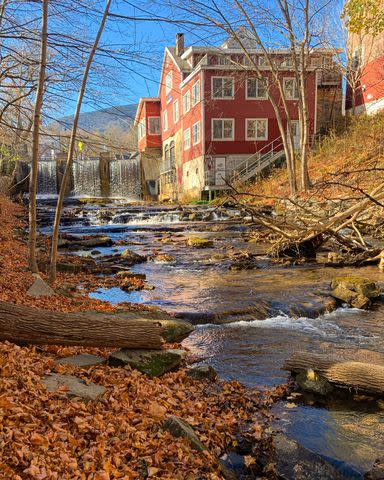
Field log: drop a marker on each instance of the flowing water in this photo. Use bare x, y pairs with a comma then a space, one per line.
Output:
47, 178
225, 305
124, 178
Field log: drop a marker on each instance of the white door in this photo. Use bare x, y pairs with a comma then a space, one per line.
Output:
295, 129
220, 171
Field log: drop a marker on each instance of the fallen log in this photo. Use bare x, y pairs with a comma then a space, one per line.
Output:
343, 372
25, 325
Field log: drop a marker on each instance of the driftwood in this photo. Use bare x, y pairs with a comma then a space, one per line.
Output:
343, 372
25, 325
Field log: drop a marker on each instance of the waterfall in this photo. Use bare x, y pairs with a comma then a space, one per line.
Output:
125, 178
86, 178
46, 178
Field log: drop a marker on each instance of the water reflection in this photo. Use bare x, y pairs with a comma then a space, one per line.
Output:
251, 350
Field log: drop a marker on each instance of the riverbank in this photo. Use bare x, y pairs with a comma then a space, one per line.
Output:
48, 435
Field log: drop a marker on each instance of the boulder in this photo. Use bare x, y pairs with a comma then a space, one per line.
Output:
75, 387
84, 360
175, 330
199, 242
39, 288
310, 381
126, 274
163, 258
131, 284
180, 428
130, 258
153, 363
294, 462
202, 372
355, 291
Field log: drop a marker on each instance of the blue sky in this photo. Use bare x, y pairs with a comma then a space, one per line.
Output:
140, 47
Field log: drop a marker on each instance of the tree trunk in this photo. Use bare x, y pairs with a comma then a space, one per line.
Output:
68, 166
36, 139
347, 373
20, 324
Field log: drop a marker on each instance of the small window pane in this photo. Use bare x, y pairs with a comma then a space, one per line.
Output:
228, 84
217, 128
251, 87
217, 87
227, 129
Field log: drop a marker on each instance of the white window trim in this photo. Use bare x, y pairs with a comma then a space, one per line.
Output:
285, 79
165, 120
199, 140
196, 85
149, 126
141, 129
223, 139
168, 88
255, 98
188, 93
257, 138
189, 146
232, 97
173, 111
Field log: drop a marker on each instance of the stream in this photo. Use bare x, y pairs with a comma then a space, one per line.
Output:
224, 304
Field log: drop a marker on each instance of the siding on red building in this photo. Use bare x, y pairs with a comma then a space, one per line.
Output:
197, 66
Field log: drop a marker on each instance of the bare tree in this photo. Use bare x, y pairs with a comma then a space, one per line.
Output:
67, 171
36, 139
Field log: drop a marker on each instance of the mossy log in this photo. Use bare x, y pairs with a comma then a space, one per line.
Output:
25, 325
343, 372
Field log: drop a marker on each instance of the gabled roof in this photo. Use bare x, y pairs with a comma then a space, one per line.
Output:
140, 106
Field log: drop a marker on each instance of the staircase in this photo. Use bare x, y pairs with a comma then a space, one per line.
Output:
256, 163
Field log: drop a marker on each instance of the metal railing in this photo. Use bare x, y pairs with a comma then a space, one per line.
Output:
167, 176
260, 160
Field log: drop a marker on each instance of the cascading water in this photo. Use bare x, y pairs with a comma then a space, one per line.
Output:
125, 178
86, 178
46, 178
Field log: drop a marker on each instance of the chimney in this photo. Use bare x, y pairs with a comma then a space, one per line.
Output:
179, 44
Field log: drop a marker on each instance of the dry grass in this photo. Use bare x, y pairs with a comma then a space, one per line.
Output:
342, 163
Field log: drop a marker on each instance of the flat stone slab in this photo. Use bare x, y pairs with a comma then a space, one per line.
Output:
180, 428
202, 372
84, 360
153, 363
76, 387
39, 288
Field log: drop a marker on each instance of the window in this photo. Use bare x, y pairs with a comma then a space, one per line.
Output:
186, 102
172, 159
316, 62
196, 133
187, 138
328, 62
196, 93
287, 62
257, 88
165, 121
154, 125
223, 87
141, 129
290, 89
223, 128
168, 82
166, 158
256, 129
262, 61
175, 111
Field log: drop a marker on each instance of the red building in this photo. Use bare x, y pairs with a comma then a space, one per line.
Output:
366, 83
213, 118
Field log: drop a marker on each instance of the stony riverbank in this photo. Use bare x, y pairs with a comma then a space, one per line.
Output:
99, 420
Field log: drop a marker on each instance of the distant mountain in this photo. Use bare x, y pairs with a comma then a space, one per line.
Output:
122, 116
